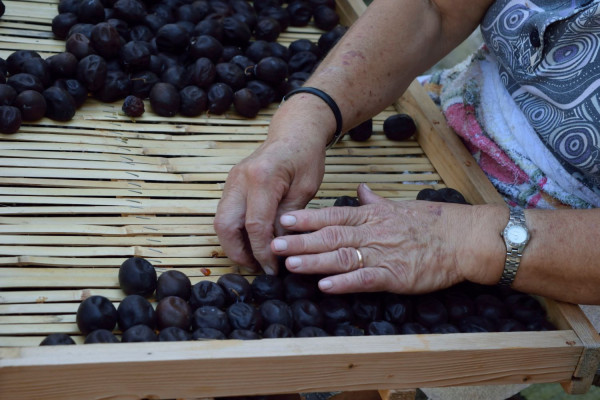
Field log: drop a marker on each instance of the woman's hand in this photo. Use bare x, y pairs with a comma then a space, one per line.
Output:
406, 247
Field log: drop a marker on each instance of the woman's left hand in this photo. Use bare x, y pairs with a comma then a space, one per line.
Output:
384, 245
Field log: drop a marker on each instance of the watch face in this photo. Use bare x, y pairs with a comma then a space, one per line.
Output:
516, 234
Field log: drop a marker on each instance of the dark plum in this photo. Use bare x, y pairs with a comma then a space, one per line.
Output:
336, 311
62, 23
31, 104
90, 11
429, 194
300, 45
96, 312
84, 29
60, 105
208, 333
243, 334
276, 312
267, 29
121, 26
38, 68
539, 324
346, 201
24, 81
277, 331
229, 52
15, 60
267, 287
173, 283
280, 51
304, 61
458, 304
117, 86
202, 72
231, 75
524, 308
164, 99
347, 330
220, 98
450, 195
476, 323
317, 3
272, 70
412, 328
91, 71
176, 76
244, 316
68, 6
325, 18
490, 306
174, 334
137, 276
243, 62
187, 12
133, 106
79, 45
510, 325
444, 328
105, 40
236, 288
135, 310
381, 328
135, 56
57, 339
329, 39
154, 22
366, 307
236, 32
266, 94
362, 131
141, 33
205, 46
100, 336
246, 103
397, 309
173, 311
187, 26
279, 14
211, 317
220, 8
172, 38
399, 127
429, 311
62, 65
142, 83
132, 11
300, 13
311, 331
259, 5
258, 50
139, 333
75, 89
194, 101
211, 27
306, 313
299, 286
207, 293
7, 95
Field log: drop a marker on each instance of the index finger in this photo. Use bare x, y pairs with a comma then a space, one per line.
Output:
312, 220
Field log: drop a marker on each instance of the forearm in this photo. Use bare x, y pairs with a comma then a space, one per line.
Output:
561, 260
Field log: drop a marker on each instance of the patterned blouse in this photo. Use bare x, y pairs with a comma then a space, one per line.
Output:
548, 54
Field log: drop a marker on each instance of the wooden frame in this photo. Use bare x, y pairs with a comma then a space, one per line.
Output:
204, 369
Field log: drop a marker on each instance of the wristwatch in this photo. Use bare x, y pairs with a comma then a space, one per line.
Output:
516, 235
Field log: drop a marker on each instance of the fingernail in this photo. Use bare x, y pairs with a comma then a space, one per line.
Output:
268, 270
367, 187
325, 284
288, 220
294, 262
280, 244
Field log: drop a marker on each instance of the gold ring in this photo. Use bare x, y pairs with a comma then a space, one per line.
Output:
361, 262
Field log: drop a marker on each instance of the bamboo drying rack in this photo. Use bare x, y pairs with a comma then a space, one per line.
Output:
79, 197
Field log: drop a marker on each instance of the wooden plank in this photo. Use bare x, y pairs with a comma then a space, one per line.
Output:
99, 262
355, 363
89, 240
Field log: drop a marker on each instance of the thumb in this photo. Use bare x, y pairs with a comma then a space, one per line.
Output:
367, 196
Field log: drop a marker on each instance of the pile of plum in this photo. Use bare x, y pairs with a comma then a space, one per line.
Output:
185, 56
288, 306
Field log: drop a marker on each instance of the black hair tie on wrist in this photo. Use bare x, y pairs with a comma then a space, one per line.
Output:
330, 102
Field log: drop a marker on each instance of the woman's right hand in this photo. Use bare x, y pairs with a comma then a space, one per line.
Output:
282, 175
